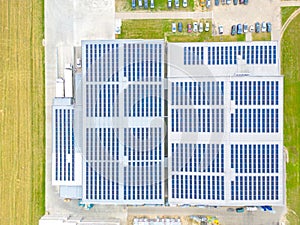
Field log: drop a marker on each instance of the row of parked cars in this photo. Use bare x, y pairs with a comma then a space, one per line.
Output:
239, 29
176, 3
252, 208
191, 28
228, 2
140, 4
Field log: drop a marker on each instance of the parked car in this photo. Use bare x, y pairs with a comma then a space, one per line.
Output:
184, 3
152, 4
269, 208
189, 28
263, 208
245, 2
217, 2
176, 3
257, 27
180, 27
263, 27
78, 61
240, 210
223, 2
207, 3
169, 4
251, 28
241, 1
195, 27
200, 27
245, 27
235, 2
173, 27
207, 26
239, 29
221, 30
233, 30
202, 3
251, 208
140, 3
146, 4
133, 4
269, 27
228, 2
230, 210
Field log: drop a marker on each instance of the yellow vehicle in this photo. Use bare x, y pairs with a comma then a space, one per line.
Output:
202, 3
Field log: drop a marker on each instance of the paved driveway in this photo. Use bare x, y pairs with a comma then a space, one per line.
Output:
255, 11
226, 218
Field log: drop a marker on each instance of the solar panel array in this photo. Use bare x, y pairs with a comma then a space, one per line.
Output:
225, 132
224, 54
123, 158
64, 144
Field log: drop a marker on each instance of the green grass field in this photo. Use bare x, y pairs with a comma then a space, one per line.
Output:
286, 12
290, 58
161, 29
159, 5
22, 112
261, 36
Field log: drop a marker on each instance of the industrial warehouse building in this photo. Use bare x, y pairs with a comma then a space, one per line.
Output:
224, 116
225, 119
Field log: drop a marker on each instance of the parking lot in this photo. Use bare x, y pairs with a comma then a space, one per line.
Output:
255, 11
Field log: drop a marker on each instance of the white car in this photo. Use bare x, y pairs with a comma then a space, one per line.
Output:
200, 27
207, 3
184, 3
140, 3
263, 27
251, 208
152, 4
176, 3
251, 28
173, 27
207, 26
221, 30
195, 27
228, 2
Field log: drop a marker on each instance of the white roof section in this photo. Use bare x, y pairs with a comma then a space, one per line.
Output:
225, 133
223, 58
123, 124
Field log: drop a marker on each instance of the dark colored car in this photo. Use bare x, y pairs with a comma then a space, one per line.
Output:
233, 30
246, 2
180, 27
235, 2
146, 4
269, 208
133, 4
241, 1
240, 210
257, 27
263, 208
217, 2
189, 28
239, 29
269, 27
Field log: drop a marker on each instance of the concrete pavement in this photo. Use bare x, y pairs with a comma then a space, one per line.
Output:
164, 15
226, 218
289, 3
